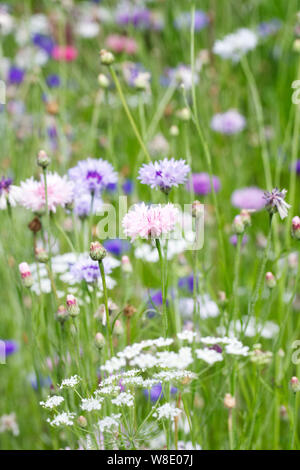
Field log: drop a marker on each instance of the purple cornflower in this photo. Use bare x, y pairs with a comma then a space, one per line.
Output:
46, 43
201, 183
85, 269
53, 81
117, 247
274, 202
83, 205
138, 17
248, 198
229, 123
92, 175
183, 21
164, 174
127, 186
10, 347
268, 28
187, 283
156, 392
233, 240
15, 75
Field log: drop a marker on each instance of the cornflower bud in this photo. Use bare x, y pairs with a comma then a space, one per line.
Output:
103, 80
184, 114
238, 225
41, 255
270, 280
25, 274
82, 421
106, 57
97, 251
99, 340
35, 225
296, 227
246, 217
126, 265
229, 401
62, 314
72, 306
295, 384
118, 329
197, 208
174, 131
42, 159
129, 311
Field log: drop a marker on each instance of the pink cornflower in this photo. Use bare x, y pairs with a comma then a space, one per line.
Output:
150, 222
24, 270
31, 193
64, 53
118, 44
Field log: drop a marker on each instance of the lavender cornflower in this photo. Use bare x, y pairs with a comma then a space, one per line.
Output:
183, 20
164, 174
86, 269
248, 198
92, 175
275, 202
228, 123
83, 205
7, 193
201, 183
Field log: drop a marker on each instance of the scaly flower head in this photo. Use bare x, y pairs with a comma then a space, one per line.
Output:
275, 202
164, 174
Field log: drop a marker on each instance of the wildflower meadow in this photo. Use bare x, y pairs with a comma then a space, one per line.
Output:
150, 225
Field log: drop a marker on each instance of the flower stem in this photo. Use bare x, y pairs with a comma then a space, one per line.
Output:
164, 293
109, 335
295, 422
128, 113
236, 278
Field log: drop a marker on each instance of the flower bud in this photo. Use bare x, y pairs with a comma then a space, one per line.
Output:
41, 255
184, 114
42, 159
270, 280
296, 45
295, 384
246, 217
222, 298
72, 306
25, 274
296, 227
118, 329
103, 80
106, 57
174, 131
62, 314
35, 225
229, 401
197, 209
129, 311
238, 225
97, 251
126, 265
99, 340
82, 421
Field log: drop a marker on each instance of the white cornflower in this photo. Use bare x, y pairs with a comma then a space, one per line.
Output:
186, 335
91, 404
168, 411
9, 423
124, 398
71, 382
65, 418
52, 402
237, 348
209, 355
109, 422
235, 45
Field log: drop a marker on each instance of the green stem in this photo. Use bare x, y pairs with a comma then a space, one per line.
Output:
164, 293
109, 335
236, 278
128, 113
295, 421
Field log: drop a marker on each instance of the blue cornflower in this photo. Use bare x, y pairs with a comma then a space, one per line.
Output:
15, 75
53, 81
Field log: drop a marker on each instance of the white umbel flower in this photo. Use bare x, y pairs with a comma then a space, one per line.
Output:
62, 419
91, 404
167, 411
209, 355
52, 402
124, 399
